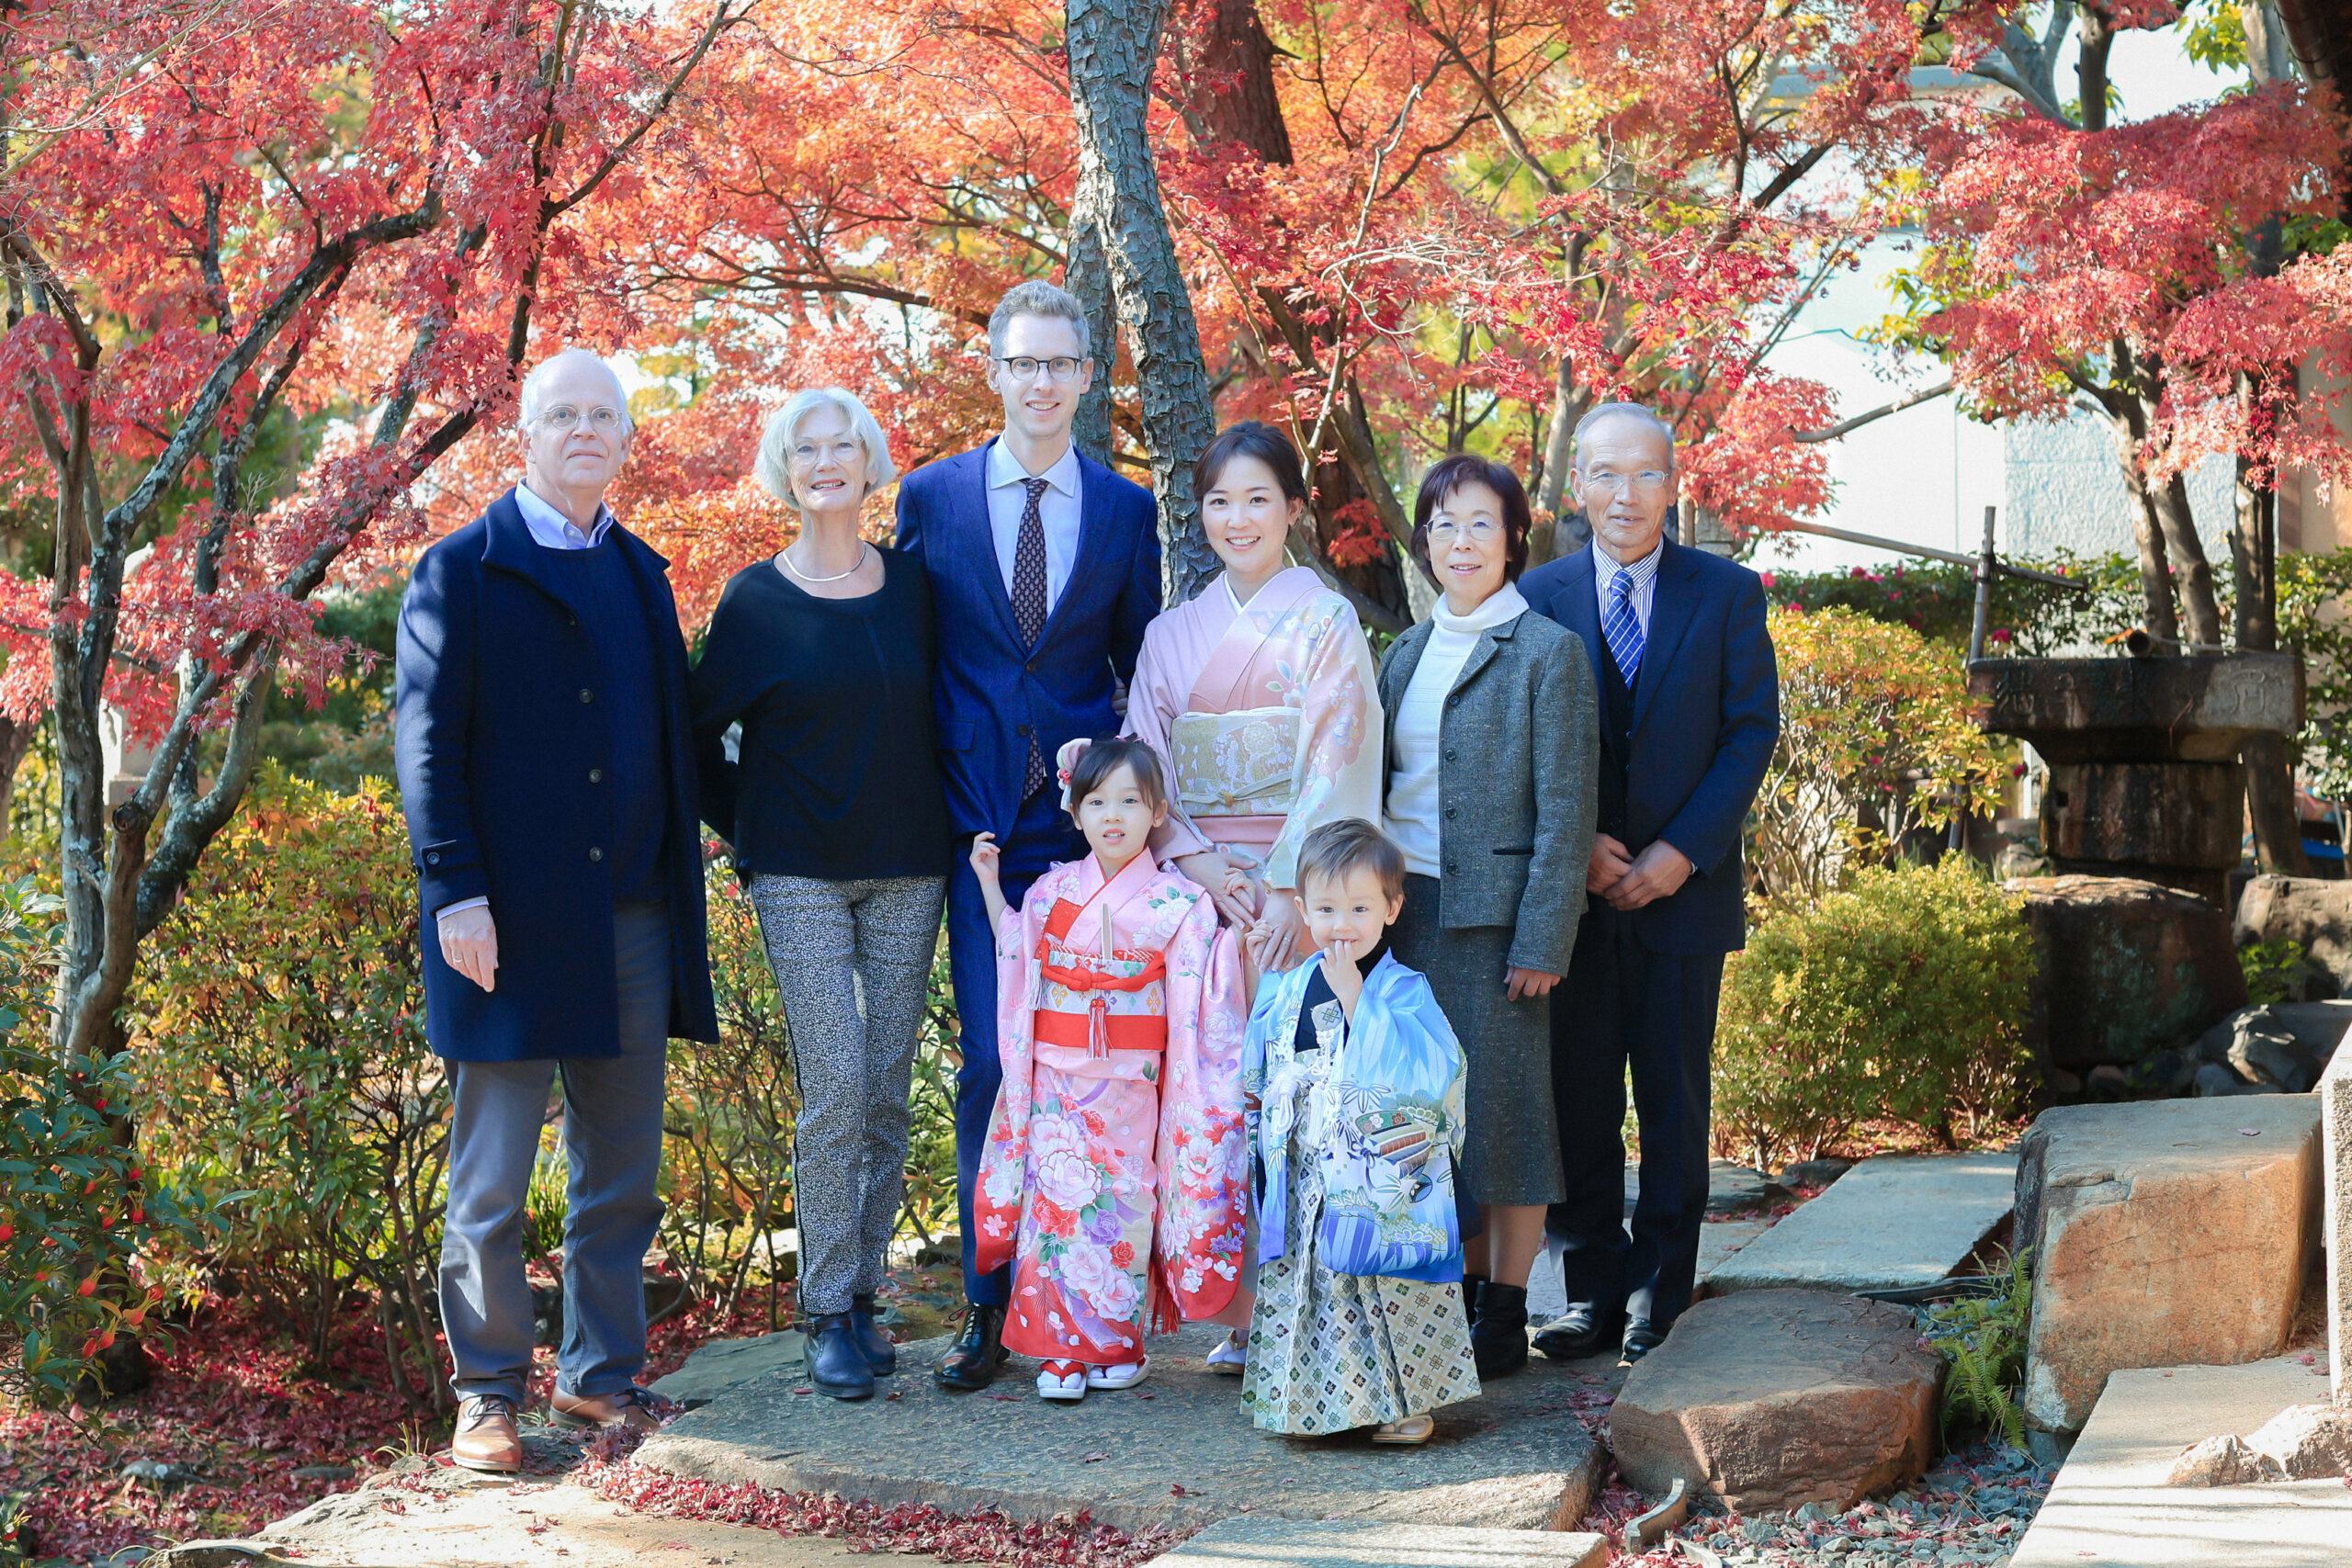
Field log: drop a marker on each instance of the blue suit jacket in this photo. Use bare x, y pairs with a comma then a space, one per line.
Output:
1706, 717
992, 688
500, 765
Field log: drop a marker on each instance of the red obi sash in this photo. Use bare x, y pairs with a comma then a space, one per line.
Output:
1094, 1003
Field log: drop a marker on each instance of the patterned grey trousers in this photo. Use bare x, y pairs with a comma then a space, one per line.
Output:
852, 961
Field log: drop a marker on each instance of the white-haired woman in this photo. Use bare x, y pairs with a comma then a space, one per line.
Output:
834, 804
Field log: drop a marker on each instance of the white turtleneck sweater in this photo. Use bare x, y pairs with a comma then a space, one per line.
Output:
1413, 809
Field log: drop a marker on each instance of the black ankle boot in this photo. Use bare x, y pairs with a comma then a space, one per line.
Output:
879, 1353
1472, 1284
970, 1365
836, 1368
1499, 1339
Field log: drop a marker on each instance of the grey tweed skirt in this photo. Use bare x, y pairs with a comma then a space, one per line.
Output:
1511, 1142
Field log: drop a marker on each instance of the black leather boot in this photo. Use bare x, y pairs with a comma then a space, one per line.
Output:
881, 1354
1583, 1330
1499, 1339
1471, 1285
836, 1368
971, 1365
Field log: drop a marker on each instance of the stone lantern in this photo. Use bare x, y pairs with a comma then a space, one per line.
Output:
2144, 777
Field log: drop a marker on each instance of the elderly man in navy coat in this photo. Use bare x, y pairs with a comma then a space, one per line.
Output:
1045, 570
1691, 709
547, 771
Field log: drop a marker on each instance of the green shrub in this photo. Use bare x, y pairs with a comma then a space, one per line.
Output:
282, 1043
83, 1226
1876, 742
1903, 997
2275, 971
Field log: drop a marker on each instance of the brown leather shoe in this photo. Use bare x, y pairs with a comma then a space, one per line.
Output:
629, 1407
487, 1438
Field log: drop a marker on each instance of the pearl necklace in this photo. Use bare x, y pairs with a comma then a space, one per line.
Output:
784, 556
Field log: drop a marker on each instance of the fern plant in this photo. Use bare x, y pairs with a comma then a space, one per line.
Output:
1982, 1340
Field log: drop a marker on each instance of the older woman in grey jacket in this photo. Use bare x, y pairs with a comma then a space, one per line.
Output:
1494, 748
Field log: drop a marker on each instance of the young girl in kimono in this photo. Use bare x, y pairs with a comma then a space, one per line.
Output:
1113, 1176
1352, 1081
1260, 695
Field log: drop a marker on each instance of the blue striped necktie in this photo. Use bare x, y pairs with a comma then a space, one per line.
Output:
1623, 630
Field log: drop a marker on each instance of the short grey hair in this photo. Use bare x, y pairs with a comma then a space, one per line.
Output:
773, 464
1038, 298
1633, 411
535, 384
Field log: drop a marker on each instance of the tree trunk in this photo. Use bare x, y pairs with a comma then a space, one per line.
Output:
1113, 45
2192, 573
2270, 779
1087, 277
1231, 91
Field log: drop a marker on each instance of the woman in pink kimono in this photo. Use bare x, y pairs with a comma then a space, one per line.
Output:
1261, 696
1116, 1165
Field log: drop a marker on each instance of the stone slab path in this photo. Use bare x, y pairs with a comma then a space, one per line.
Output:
1176, 1451
1294, 1543
1898, 1221
2109, 1507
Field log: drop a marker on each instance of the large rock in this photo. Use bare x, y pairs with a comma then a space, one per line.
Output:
2285, 1044
2335, 1165
2169, 1233
1250, 1542
2302, 909
1773, 1399
2124, 968
719, 1365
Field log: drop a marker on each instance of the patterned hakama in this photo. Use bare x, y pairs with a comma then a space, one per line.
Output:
1329, 1351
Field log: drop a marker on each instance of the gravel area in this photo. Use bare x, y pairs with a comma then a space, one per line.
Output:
1969, 1512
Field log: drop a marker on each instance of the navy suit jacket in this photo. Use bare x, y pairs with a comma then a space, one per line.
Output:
992, 688
1706, 717
503, 752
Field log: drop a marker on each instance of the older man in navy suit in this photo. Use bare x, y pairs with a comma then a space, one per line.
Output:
1689, 713
547, 768
1045, 570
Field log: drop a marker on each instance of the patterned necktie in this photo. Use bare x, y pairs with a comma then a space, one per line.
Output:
1029, 603
1625, 628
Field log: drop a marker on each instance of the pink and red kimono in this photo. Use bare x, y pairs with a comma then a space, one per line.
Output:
1115, 1169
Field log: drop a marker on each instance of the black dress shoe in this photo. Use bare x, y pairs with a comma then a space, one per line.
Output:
971, 1365
881, 1355
1640, 1340
1583, 1330
836, 1367
1471, 1285
1499, 1339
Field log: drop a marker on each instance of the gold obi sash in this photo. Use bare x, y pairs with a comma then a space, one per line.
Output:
1236, 764
1097, 1004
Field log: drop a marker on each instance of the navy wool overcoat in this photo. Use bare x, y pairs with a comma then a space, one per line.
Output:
502, 751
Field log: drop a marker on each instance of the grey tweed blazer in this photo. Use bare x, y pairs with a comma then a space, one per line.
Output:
1517, 780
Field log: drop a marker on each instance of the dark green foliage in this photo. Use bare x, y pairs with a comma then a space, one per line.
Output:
2275, 971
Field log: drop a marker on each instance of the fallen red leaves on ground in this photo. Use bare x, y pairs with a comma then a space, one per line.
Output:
986, 1535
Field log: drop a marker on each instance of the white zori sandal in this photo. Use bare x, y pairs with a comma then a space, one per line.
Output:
1062, 1379
1123, 1374
1412, 1429
1231, 1357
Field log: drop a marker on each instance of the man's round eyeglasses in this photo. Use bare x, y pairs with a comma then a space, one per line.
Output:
1061, 367
563, 416
1480, 529
1649, 482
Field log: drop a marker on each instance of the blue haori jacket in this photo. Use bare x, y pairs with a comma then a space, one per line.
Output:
1385, 1125
504, 757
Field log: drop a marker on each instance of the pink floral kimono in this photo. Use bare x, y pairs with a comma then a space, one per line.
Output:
1266, 718
1115, 1169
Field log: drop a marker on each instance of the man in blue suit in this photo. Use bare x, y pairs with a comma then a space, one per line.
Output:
1045, 570
1690, 710
547, 770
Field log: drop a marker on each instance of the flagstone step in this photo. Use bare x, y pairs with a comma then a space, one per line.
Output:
1896, 1221
1176, 1451
1298, 1543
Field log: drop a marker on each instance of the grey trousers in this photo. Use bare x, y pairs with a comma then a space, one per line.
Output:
612, 1137
852, 962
